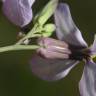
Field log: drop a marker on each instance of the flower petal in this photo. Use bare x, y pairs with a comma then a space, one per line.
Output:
53, 49
66, 29
50, 69
2, 0
87, 84
19, 12
29, 2
93, 47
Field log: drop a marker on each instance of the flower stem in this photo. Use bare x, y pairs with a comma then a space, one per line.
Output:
31, 34
18, 47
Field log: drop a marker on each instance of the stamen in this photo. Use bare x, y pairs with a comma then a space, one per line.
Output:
80, 54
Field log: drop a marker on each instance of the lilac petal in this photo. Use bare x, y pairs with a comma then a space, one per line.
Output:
87, 84
53, 48
93, 47
49, 69
19, 12
2, 0
66, 29
30, 2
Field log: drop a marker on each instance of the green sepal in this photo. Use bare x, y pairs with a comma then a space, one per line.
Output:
47, 34
49, 28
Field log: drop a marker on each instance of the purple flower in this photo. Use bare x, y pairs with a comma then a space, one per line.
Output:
19, 12
58, 57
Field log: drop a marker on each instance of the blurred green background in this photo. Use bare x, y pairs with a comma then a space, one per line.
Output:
16, 78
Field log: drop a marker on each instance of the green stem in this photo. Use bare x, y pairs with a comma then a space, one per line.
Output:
31, 34
18, 47
26, 37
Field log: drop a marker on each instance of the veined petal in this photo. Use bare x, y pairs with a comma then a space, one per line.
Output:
66, 29
93, 47
87, 84
51, 69
19, 12
53, 49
